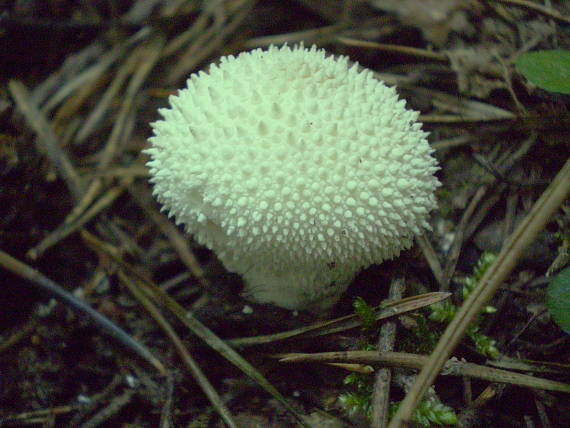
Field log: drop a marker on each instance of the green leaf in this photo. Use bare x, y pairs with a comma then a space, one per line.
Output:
548, 70
558, 299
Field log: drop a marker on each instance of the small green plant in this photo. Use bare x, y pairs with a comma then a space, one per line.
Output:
444, 312
425, 331
429, 412
358, 401
367, 316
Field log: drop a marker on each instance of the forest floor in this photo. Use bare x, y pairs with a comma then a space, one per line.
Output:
79, 84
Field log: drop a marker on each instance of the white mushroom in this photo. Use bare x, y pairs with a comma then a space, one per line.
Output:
296, 168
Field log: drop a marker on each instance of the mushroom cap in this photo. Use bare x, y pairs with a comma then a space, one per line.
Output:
297, 168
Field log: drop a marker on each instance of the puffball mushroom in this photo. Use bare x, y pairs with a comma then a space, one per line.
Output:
296, 168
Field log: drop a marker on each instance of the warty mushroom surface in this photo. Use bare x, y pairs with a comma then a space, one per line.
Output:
298, 169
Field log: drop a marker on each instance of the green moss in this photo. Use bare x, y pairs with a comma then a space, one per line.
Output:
444, 312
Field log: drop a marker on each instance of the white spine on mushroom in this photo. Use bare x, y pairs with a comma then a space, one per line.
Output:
296, 168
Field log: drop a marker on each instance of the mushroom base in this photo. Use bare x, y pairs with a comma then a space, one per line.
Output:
296, 289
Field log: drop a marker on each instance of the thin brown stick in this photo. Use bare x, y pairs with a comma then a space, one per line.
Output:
207, 42
104, 103
386, 339
458, 240
535, 7
347, 322
431, 257
40, 414
451, 367
66, 228
115, 405
407, 50
306, 36
50, 144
